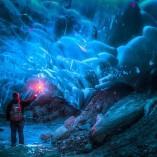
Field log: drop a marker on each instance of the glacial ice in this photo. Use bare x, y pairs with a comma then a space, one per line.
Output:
72, 59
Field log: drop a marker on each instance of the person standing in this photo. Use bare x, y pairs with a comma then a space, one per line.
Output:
15, 114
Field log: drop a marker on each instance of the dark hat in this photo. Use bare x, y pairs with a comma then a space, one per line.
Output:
15, 94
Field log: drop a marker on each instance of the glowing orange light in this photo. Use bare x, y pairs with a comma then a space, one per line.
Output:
38, 86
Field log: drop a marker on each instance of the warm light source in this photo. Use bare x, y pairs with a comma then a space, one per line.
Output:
38, 86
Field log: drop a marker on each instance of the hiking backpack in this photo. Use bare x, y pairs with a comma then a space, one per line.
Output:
16, 113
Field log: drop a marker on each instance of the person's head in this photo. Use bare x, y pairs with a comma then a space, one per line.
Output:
16, 96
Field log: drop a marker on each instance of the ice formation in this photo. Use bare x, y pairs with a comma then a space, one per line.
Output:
66, 46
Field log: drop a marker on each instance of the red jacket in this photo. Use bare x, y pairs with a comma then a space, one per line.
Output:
23, 104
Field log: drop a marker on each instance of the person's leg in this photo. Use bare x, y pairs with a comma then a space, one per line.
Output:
13, 133
20, 132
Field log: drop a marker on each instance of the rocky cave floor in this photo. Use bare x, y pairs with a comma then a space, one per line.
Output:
34, 145
132, 133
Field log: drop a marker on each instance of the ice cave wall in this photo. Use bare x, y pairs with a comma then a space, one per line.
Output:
68, 47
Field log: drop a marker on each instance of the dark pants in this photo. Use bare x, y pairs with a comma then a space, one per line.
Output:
17, 127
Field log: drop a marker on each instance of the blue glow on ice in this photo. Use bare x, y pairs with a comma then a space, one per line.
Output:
43, 38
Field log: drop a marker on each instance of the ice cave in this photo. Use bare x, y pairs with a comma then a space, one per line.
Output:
78, 78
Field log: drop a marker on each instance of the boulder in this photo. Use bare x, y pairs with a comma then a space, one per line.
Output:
138, 139
50, 110
118, 118
46, 137
101, 101
70, 122
61, 132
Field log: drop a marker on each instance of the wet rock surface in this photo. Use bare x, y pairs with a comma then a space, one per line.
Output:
47, 109
77, 130
133, 134
126, 128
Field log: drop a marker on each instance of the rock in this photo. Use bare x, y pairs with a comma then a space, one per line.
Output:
139, 139
42, 100
84, 127
69, 122
101, 101
50, 109
61, 132
99, 119
51, 153
46, 137
81, 119
77, 142
116, 119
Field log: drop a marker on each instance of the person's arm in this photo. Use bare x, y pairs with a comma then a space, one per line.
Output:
27, 102
8, 109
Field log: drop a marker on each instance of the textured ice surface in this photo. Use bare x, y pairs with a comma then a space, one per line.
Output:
31, 47
65, 45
